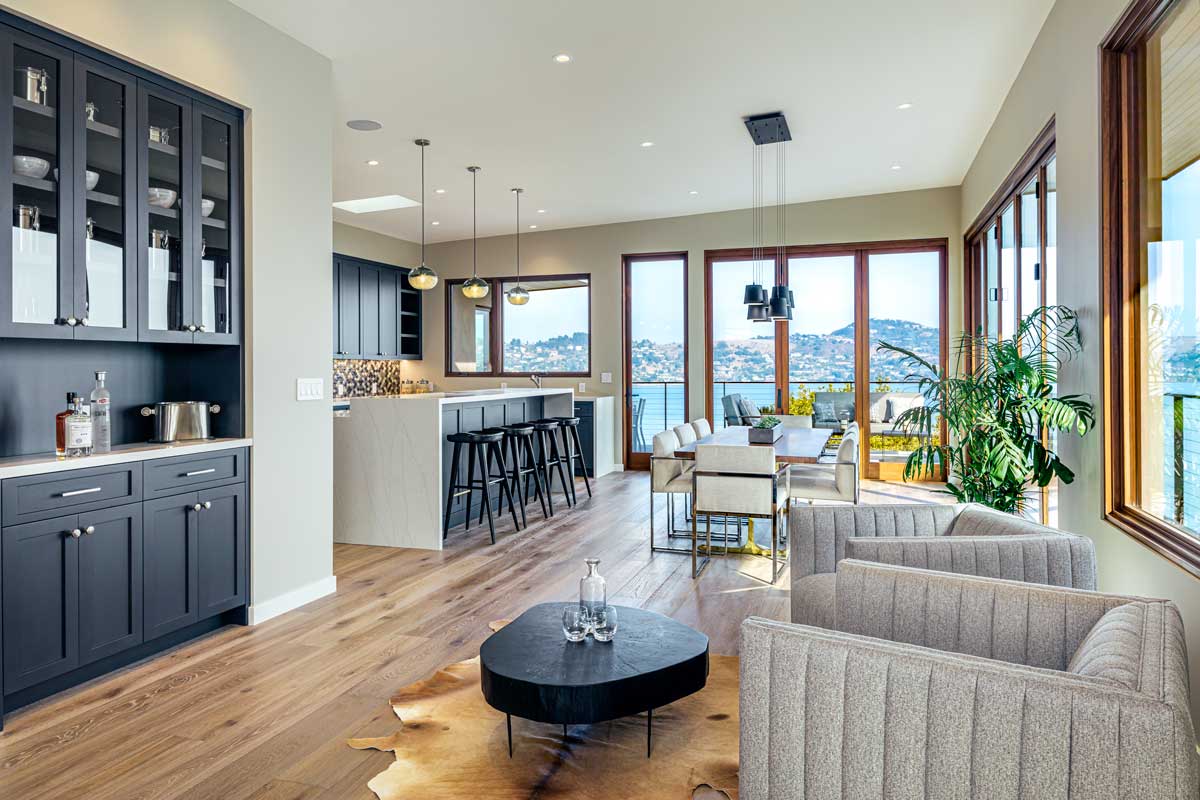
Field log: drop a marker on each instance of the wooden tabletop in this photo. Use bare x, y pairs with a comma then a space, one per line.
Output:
796, 446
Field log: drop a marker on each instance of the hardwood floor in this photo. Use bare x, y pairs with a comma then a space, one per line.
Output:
264, 712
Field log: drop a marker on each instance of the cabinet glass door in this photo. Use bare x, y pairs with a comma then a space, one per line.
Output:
37, 296
167, 240
105, 276
215, 276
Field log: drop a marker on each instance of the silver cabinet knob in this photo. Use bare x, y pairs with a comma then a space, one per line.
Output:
200, 328
197, 507
191, 328
75, 534
89, 530
207, 504
83, 320
72, 321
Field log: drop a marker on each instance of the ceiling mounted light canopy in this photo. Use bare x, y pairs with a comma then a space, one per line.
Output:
518, 295
422, 277
474, 287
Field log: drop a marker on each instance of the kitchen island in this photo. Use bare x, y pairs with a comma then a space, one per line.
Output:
392, 462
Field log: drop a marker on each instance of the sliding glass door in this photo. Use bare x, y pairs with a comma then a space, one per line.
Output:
655, 338
743, 361
820, 339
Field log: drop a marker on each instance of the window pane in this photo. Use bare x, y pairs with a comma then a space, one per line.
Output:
821, 337
657, 334
743, 351
1170, 322
905, 308
1008, 275
470, 343
1031, 267
992, 282
550, 333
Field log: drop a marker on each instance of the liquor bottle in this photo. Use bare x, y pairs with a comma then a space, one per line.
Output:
60, 425
101, 420
79, 429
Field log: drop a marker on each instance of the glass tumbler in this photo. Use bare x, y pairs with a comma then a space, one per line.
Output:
575, 623
604, 624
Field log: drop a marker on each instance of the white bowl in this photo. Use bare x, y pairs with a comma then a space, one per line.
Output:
161, 198
93, 178
207, 206
31, 166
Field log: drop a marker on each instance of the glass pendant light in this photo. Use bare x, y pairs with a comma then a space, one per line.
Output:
517, 295
474, 287
422, 277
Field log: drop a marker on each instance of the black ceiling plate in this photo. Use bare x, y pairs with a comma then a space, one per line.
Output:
768, 128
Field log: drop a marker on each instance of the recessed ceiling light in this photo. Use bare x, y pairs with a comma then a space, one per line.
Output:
693, 191
533, 226
541, 211
439, 191
435, 222
897, 167
904, 106
647, 144
563, 58
366, 205
364, 125
372, 163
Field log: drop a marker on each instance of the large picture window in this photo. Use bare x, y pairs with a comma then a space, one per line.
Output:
1151, 249
549, 335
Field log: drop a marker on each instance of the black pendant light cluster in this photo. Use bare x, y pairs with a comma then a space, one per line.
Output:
760, 307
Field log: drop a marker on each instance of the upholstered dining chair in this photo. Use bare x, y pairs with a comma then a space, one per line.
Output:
838, 481
702, 427
685, 433
669, 475
738, 481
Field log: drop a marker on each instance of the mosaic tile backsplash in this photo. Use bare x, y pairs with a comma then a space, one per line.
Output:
361, 378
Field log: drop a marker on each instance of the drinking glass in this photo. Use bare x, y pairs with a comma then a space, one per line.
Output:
575, 623
604, 624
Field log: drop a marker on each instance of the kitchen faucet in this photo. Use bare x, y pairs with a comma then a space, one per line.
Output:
537, 380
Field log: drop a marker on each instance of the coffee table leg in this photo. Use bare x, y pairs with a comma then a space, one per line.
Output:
508, 724
649, 725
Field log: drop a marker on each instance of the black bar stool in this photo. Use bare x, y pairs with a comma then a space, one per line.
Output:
483, 448
573, 448
518, 439
550, 458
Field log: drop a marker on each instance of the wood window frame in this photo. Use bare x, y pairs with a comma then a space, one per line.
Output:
496, 355
1122, 190
634, 460
861, 252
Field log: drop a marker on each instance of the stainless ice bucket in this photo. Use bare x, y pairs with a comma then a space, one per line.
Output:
32, 84
180, 421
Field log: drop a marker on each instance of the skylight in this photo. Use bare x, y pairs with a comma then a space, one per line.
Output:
366, 205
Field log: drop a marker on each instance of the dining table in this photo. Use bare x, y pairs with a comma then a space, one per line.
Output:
794, 446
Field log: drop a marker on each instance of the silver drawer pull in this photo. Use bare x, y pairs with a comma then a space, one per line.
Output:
199, 472
78, 492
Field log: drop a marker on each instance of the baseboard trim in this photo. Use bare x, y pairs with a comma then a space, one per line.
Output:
289, 601
618, 467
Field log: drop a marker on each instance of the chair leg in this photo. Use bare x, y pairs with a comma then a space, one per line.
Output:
470, 485
579, 449
695, 574
487, 492
543, 471
556, 457
652, 520
505, 490
451, 486
568, 450
774, 542
537, 477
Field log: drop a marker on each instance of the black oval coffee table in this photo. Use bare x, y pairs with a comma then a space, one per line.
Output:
528, 669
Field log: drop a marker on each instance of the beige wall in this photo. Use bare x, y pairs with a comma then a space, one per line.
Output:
222, 50
598, 250
1061, 79
360, 243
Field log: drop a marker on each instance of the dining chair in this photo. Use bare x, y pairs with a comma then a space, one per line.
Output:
741, 481
702, 427
669, 475
639, 413
685, 433
838, 481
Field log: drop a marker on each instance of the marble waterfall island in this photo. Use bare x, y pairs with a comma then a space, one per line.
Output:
391, 460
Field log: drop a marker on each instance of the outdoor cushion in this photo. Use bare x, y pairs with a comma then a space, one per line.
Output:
748, 410
823, 412
898, 403
879, 406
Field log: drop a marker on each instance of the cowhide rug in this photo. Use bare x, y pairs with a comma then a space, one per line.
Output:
452, 744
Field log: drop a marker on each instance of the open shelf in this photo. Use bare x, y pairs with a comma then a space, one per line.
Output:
211, 222
104, 130
212, 163
101, 197
163, 212
21, 104
42, 184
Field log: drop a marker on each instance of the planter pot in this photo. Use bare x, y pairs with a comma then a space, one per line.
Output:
797, 420
765, 435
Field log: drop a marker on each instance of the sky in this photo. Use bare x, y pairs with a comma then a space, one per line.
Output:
550, 313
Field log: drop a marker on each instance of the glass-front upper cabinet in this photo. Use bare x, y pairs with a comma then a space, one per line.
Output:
216, 302
169, 244
106, 180
35, 139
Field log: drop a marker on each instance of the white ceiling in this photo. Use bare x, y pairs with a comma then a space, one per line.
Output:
478, 78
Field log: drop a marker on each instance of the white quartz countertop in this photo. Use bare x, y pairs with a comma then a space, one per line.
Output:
451, 398
42, 463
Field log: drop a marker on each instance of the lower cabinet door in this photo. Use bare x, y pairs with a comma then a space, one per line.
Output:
170, 599
41, 601
110, 581
222, 549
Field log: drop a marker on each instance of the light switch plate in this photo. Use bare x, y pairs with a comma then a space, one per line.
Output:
310, 388
582, 388
606, 377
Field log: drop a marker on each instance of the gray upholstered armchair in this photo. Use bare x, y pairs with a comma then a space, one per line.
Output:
966, 539
940, 685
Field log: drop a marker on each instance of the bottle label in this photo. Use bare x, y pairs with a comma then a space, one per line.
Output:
79, 432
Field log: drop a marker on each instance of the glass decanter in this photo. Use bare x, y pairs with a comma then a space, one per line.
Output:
593, 589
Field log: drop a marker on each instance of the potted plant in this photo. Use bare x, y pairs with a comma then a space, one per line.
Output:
800, 409
997, 411
765, 431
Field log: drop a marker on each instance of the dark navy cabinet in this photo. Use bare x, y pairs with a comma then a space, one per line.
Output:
110, 581
221, 547
376, 314
587, 438
170, 563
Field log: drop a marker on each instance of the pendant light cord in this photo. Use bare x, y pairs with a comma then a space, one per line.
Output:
422, 205
517, 192
474, 239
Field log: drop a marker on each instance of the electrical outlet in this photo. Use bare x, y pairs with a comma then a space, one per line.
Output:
582, 388
606, 377
310, 388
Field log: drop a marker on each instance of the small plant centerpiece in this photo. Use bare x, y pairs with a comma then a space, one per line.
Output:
765, 431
